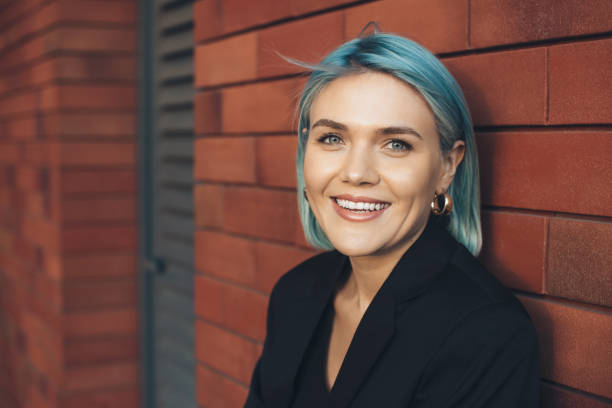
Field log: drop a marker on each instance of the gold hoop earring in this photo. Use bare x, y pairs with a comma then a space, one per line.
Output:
448, 204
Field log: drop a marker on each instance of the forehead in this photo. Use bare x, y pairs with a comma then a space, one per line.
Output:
372, 99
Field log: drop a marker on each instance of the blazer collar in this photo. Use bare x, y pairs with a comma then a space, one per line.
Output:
421, 263
411, 275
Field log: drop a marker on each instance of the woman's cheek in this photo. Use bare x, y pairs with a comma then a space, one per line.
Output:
319, 169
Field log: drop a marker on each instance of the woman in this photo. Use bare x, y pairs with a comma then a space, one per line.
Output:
399, 313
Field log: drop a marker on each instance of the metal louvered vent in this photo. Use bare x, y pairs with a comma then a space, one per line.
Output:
169, 262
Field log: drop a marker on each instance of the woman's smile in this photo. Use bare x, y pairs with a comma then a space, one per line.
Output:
358, 208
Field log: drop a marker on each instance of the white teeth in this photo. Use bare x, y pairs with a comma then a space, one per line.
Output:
361, 206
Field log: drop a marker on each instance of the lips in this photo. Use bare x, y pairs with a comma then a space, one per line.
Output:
359, 208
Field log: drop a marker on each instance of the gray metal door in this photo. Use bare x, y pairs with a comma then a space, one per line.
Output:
167, 224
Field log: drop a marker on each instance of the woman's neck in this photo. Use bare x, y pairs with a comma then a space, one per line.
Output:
370, 272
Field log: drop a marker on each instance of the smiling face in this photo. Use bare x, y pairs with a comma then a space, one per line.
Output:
373, 162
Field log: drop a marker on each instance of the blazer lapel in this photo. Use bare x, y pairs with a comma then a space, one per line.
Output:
298, 320
417, 268
296, 325
371, 337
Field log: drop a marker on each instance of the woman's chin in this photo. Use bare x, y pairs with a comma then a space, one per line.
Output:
355, 248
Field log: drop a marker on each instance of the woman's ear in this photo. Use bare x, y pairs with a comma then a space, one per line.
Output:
450, 162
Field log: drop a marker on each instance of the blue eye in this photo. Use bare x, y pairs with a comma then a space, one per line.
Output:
398, 145
330, 139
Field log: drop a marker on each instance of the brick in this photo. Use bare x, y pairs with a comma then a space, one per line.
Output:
97, 181
78, 295
574, 344
97, 154
36, 204
225, 159
9, 153
578, 260
245, 312
261, 213
226, 61
91, 124
37, 20
514, 249
503, 88
215, 390
274, 260
89, 97
41, 232
22, 128
580, 81
101, 350
554, 396
95, 67
27, 78
209, 299
27, 251
17, 10
123, 321
29, 178
241, 14
563, 171
207, 112
225, 256
261, 107
7, 197
102, 376
275, 156
506, 21
89, 39
124, 397
67, 12
27, 51
98, 209
307, 40
97, 238
206, 19
226, 352
47, 292
98, 265
30, 101
40, 153
235, 308
120, 12
42, 343
439, 25
307, 6
208, 205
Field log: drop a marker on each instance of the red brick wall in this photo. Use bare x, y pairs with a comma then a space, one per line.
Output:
68, 282
537, 78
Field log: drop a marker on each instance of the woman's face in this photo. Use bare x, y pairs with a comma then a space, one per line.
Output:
373, 162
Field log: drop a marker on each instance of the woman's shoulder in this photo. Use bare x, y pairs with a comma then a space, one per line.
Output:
467, 290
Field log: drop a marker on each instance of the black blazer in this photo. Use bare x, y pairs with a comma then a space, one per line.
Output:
440, 332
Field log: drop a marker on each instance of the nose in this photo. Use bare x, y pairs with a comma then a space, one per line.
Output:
359, 167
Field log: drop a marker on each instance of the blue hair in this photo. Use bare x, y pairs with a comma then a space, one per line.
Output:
408, 61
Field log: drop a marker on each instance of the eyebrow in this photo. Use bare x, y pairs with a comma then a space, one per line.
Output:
399, 130
390, 130
330, 124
